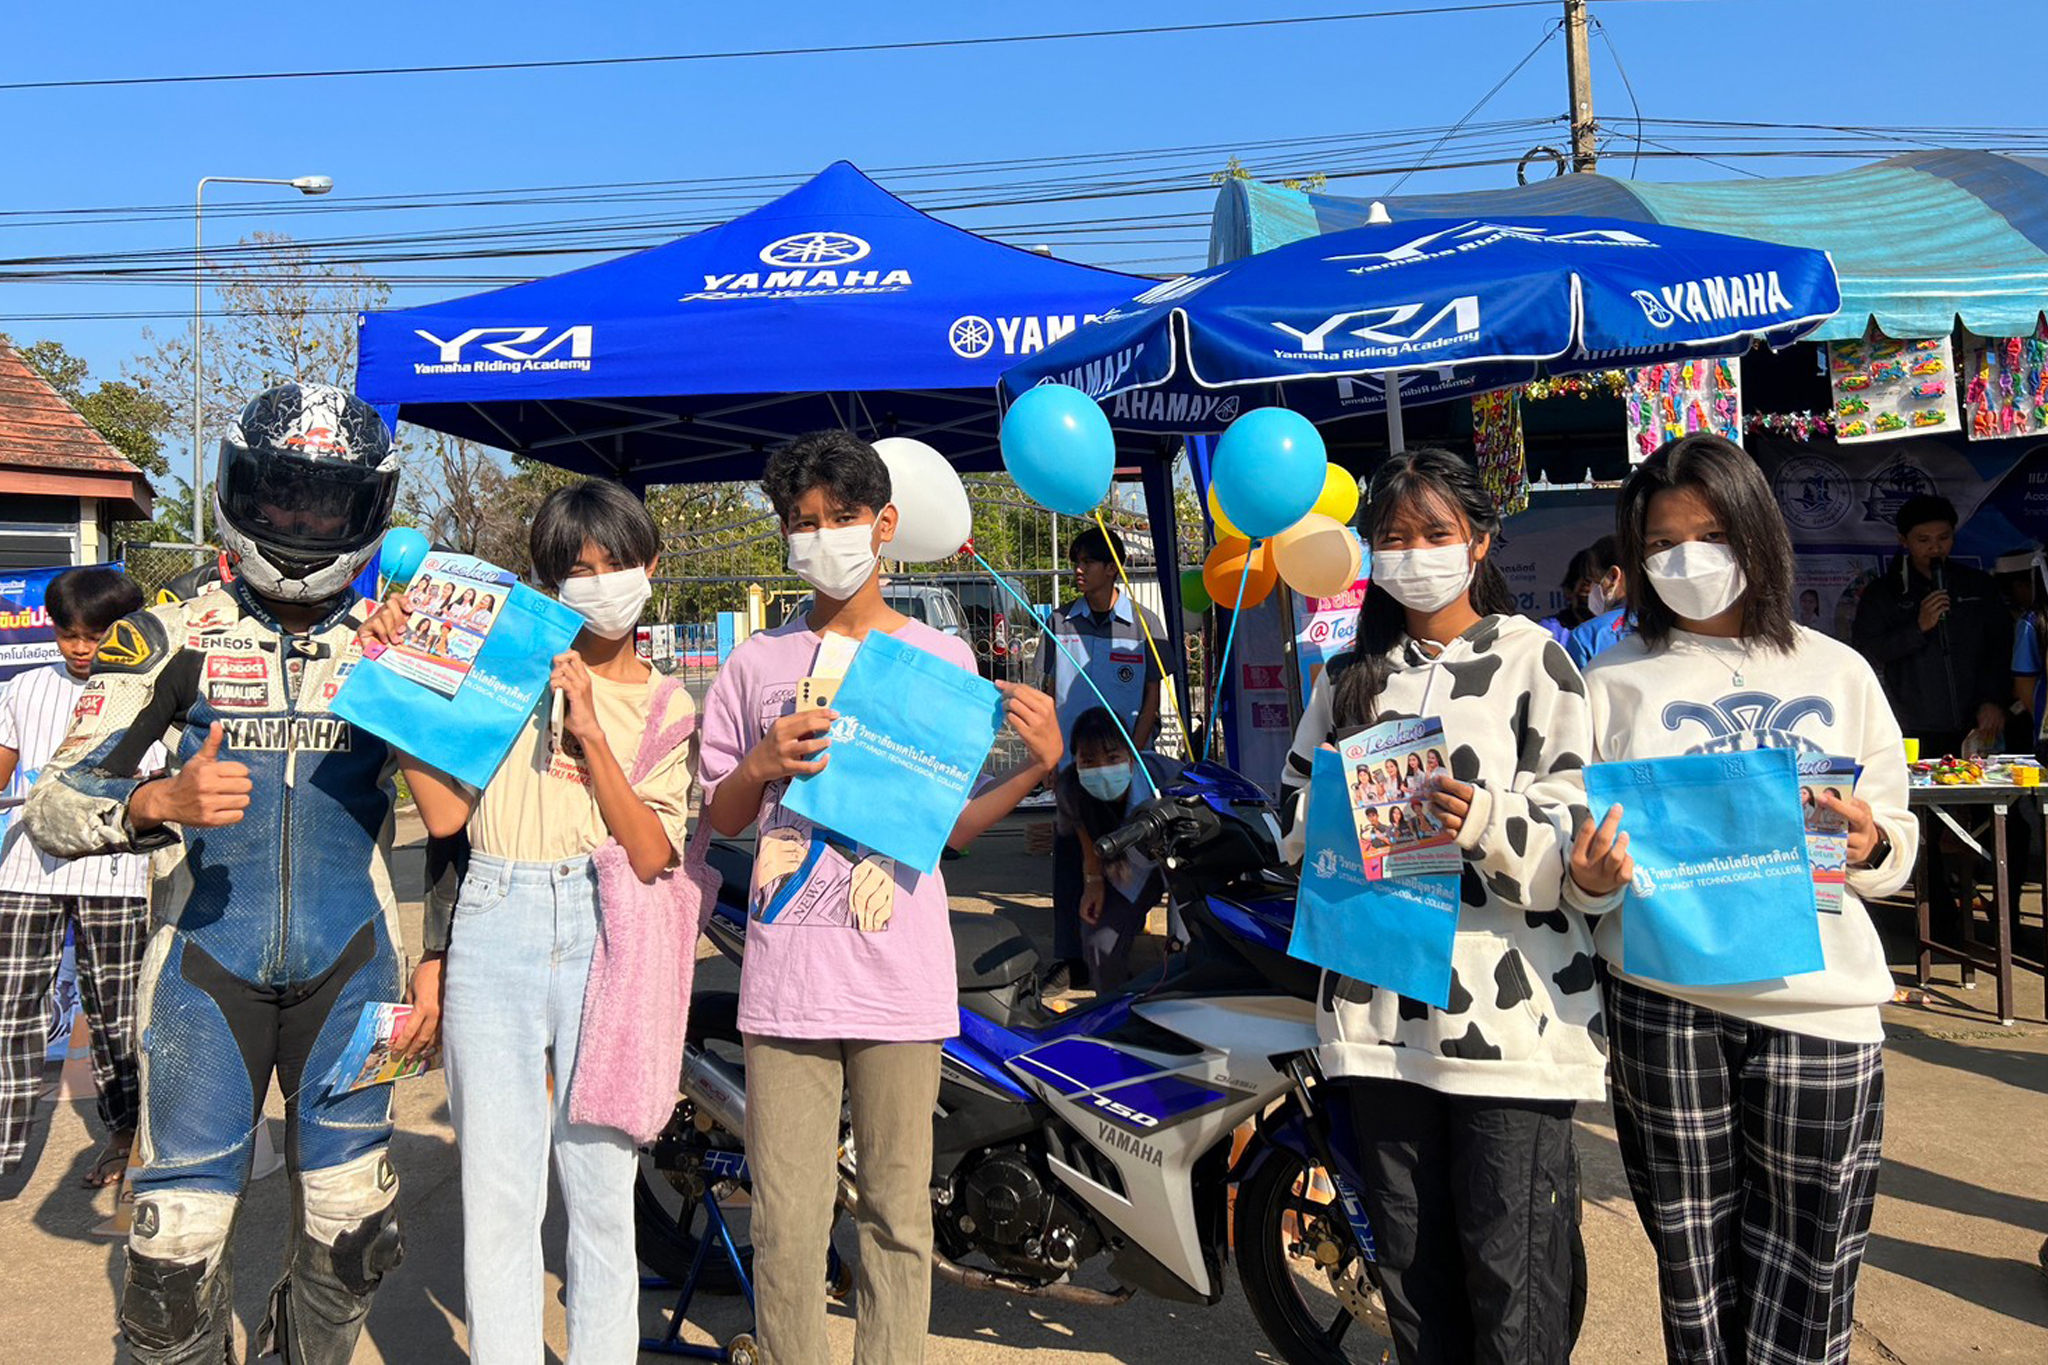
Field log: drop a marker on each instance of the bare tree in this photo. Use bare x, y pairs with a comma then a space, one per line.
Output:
278, 316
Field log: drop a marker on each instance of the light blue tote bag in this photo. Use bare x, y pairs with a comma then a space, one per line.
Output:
1723, 891
1392, 932
909, 743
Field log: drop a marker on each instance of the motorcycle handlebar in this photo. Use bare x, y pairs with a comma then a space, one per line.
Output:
1148, 827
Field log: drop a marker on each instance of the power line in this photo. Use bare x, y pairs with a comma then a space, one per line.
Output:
910, 45
1484, 99
1615, 53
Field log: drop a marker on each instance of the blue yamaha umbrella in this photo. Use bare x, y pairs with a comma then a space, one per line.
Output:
1431, 309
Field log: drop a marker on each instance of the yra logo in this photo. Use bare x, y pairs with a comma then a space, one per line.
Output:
816, 248
1397, 328
1472, 236
509, 349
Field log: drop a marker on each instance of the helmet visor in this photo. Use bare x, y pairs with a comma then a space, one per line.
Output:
303, 509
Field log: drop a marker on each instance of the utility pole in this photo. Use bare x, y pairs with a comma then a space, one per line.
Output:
1579, 75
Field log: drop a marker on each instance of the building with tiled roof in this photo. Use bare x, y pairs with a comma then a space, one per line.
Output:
62, 485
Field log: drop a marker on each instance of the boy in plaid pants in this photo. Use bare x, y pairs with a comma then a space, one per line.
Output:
103, 900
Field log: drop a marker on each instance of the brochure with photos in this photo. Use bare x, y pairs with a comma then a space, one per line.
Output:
1827, 831
1390, 772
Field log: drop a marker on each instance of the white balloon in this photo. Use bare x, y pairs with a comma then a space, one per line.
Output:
933, 519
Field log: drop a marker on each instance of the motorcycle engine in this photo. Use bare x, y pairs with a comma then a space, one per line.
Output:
1010, 1209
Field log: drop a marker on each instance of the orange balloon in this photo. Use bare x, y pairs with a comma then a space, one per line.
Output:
1225, 569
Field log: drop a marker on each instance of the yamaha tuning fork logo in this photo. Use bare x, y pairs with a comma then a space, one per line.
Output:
816, 249
805, 265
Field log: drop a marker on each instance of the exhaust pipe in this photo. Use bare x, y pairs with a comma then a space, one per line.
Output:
966, 1278
716, 1090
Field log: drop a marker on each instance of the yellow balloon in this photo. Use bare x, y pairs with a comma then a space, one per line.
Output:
1339, 500
1225, 528
1225, 569
1317, 556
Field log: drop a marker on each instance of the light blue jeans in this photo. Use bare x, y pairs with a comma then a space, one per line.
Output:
518, 957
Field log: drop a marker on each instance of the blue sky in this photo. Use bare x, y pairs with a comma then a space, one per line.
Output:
1872, 62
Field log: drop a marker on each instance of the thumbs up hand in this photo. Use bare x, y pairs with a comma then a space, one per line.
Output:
207, 792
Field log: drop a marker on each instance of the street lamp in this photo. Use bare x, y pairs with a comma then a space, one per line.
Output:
304, 184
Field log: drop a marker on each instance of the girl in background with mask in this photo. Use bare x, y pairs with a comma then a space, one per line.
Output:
525, 926
1749, 1116
1464, 1114
849, 985
1096, 795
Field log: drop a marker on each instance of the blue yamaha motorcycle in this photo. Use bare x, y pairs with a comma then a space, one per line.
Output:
1104, 1134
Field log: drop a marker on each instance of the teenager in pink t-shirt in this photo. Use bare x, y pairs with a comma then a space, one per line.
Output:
848, 981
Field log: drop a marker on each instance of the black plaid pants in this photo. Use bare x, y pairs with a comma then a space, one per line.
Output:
1753, 1156
112, 934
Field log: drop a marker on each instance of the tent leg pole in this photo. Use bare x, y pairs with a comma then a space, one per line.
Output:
1397, 439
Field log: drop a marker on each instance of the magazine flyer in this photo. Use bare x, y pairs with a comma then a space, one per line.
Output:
1827, 832
455, 599
1389, 774
367, 1059
458, 704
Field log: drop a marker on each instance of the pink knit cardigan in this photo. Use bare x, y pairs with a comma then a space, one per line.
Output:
636, 1005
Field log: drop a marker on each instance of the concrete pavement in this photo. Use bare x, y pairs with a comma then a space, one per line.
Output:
1950, 1276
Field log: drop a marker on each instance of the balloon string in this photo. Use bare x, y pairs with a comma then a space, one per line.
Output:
1222, 674
1187, 745
1081, 672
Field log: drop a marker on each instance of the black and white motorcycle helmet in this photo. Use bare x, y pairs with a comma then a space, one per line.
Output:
304, 490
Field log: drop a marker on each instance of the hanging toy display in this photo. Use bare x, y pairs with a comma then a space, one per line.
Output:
1886, 387
2007, 388
1664, 402
1498, 450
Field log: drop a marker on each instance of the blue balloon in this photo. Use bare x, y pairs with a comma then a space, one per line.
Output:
398, 559
1269, 470
1058, 446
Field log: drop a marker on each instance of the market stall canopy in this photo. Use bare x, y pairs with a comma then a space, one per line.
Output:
1918, 240
1391, 314
835, 305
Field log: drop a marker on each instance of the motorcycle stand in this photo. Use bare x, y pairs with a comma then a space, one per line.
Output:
742, 1349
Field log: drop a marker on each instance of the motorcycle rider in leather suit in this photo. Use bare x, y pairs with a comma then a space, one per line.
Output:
273, 900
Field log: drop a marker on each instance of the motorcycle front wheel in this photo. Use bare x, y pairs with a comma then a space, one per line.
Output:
1309, 1284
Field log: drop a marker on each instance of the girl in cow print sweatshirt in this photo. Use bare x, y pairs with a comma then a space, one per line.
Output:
1464, 1113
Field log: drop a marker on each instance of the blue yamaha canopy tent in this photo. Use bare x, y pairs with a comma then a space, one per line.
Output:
835, 305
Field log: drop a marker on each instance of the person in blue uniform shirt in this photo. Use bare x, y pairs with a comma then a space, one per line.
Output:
1104, 632
1610, 623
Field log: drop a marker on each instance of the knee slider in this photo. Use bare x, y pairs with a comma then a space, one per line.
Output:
352, 1215
177, 1240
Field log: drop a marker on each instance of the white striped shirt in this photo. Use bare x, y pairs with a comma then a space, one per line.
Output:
35, 715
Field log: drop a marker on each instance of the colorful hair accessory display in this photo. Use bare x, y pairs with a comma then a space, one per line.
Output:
1891, 386
1667, 401
1799, 426
1599, 384
2008, 389
1498, 449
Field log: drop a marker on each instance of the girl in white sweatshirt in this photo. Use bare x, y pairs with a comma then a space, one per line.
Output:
1464, 1114
1749, 1116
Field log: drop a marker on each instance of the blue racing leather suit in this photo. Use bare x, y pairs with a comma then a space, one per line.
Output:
273, 933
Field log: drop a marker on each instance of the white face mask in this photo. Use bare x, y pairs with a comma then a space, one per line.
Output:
609, 603
835, 561
1598, 602
1698, 579
1426, 579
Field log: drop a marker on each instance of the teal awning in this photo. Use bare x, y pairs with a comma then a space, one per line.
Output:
1918, 240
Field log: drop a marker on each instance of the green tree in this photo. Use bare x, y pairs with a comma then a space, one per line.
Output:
1235, 169
132, 419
